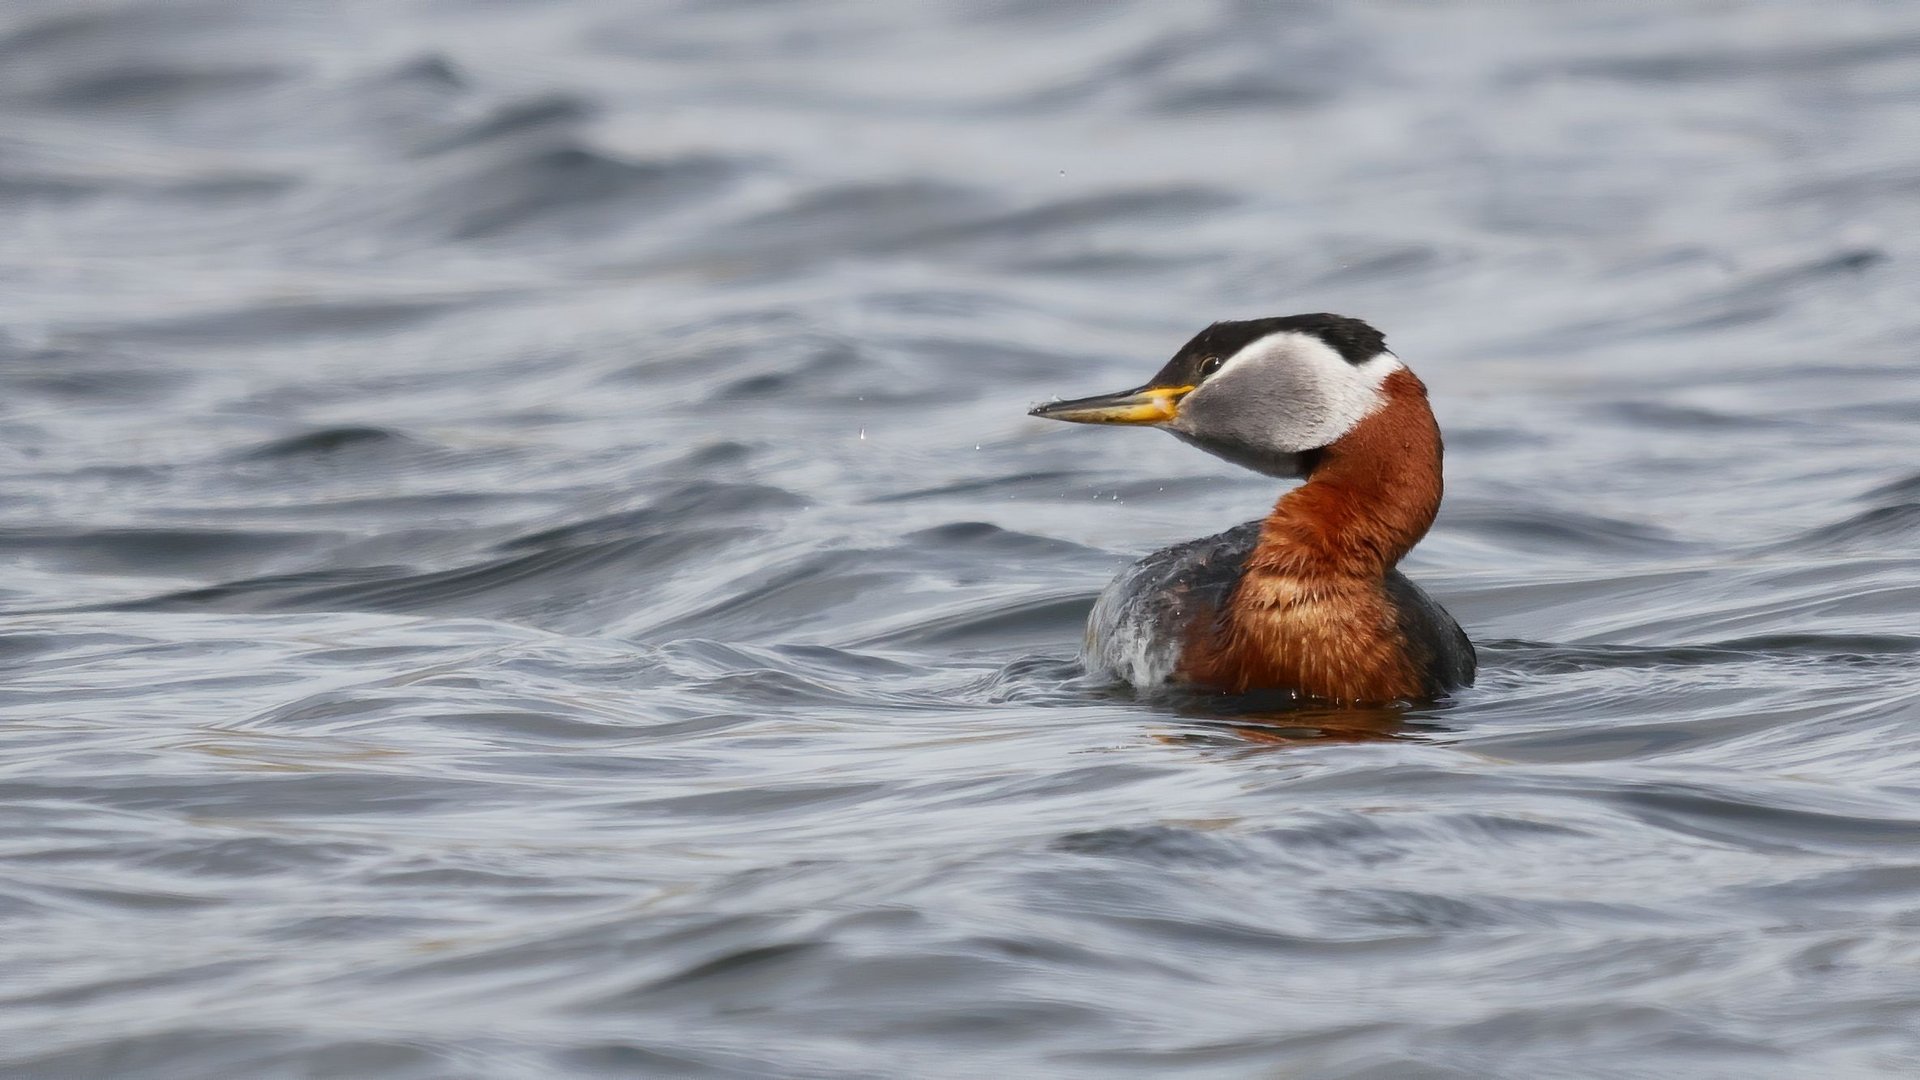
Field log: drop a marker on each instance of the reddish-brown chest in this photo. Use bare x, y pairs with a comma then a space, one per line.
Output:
1336, 640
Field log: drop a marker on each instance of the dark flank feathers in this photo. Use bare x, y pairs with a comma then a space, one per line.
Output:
1436, 645
1167, 589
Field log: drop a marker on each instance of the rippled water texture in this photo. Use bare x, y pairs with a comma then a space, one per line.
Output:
525, 557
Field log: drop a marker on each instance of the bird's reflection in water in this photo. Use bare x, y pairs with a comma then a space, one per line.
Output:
1265, 720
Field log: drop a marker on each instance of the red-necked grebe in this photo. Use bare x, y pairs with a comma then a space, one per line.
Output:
1306, 600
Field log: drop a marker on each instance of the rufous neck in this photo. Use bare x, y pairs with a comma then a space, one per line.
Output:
1369, 496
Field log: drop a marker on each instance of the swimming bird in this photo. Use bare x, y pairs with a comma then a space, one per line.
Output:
1307, 600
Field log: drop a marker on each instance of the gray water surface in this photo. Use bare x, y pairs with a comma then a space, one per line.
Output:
525, 557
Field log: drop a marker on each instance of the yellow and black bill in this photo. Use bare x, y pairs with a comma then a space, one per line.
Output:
1147, 405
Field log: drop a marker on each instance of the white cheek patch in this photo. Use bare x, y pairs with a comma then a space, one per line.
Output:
1308, 395
1353, 393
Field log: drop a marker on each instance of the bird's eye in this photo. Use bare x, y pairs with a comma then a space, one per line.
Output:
1210, 365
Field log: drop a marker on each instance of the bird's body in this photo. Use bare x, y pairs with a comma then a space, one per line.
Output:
1156, 624
1307, 600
